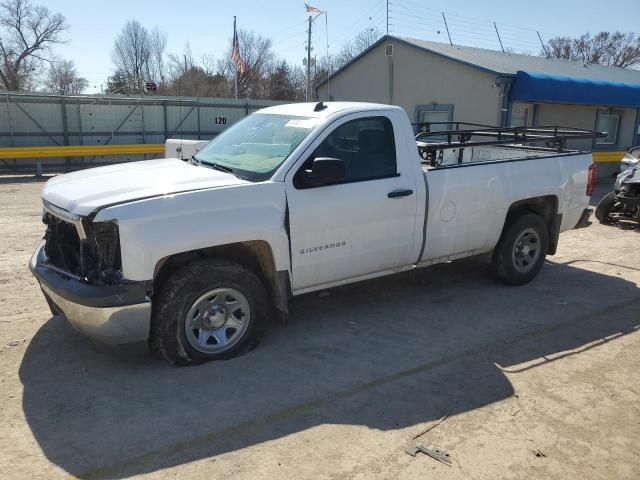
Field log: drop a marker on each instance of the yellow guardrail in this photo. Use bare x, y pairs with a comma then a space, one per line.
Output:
154, 149
607, 157
81, 151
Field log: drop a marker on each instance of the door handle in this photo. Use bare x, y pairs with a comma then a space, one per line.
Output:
400, 193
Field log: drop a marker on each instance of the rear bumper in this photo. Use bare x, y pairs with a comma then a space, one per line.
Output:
584, 218
115, 314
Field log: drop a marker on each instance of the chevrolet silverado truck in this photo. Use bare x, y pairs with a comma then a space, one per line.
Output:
195, 256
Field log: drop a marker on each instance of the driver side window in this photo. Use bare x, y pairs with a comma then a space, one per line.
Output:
366, 146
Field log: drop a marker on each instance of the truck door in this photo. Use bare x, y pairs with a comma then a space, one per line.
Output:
362, 224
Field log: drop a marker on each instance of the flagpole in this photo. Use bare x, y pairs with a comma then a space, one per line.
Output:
236, 63
308, 95
326, 29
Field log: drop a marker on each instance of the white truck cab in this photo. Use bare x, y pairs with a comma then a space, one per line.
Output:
194, 256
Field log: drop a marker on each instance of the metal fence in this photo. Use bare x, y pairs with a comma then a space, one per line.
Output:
30, 120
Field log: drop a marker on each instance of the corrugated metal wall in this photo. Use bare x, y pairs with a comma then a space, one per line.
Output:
43, 120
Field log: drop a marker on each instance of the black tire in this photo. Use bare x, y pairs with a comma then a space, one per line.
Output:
605, 207
503, 262
183, 288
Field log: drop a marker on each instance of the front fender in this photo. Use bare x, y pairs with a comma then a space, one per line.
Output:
159, 227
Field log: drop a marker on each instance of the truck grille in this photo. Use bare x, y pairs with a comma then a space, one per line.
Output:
62, 245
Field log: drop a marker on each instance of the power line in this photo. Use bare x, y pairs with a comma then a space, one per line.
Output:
462, 33
291, 42
417, 23
375, 15
287, 29
479, 30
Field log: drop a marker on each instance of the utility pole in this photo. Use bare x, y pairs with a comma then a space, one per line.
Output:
308, 95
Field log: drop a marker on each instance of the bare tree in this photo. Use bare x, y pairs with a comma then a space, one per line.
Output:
63, 79
157, 64
196, 82
188, 77
256, 52
179, 64
298, 81
27, 35
615, 49
132, 53
209, 64
356, 46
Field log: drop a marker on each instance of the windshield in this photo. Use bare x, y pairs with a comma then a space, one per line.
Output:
257, 145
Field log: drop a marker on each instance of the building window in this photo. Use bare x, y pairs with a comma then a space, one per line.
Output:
608, 122
434, 113
519, 116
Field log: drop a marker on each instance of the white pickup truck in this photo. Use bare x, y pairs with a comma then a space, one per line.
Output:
195, 256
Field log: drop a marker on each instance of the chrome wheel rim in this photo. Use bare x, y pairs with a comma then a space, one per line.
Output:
526, 251
217, 320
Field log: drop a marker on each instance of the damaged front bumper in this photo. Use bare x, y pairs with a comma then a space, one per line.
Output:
114, 314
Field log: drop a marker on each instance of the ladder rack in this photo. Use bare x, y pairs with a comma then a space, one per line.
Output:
435, 137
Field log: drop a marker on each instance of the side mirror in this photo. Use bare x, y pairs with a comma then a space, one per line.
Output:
325, 170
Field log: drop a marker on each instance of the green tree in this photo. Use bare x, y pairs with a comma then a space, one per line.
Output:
280, 86
119, 83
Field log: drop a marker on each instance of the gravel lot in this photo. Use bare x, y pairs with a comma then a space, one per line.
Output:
539, 381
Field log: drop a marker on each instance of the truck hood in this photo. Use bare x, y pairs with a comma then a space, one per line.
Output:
88, 190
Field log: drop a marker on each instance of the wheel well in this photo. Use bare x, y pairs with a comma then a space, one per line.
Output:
547, 208
254, 255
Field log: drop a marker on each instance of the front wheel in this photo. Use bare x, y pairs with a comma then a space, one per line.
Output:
521, 250
208, 310
605, 207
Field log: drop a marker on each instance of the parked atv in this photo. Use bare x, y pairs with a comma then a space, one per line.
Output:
631, 158
624, 202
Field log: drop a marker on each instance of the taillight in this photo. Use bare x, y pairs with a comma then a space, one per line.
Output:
591, 181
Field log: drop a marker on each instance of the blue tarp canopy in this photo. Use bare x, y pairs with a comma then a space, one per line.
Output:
540, 87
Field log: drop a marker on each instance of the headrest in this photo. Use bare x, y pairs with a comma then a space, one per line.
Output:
372, 141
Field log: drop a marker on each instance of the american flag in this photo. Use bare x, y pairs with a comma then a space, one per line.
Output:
235, 53
311, 9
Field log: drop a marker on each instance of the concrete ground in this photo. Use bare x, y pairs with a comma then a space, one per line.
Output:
539, 381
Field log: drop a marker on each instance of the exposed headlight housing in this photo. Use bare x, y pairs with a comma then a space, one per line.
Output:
107, 262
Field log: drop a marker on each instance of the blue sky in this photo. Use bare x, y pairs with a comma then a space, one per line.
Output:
207, 25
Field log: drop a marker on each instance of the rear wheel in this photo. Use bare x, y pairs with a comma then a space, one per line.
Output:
521, 250
605, 207
208, 310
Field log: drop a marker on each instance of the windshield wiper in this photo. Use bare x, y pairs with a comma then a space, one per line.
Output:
216, 166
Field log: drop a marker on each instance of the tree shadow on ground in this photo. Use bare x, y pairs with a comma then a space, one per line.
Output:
387, 353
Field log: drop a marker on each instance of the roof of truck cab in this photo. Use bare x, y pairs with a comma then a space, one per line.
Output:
308, 109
